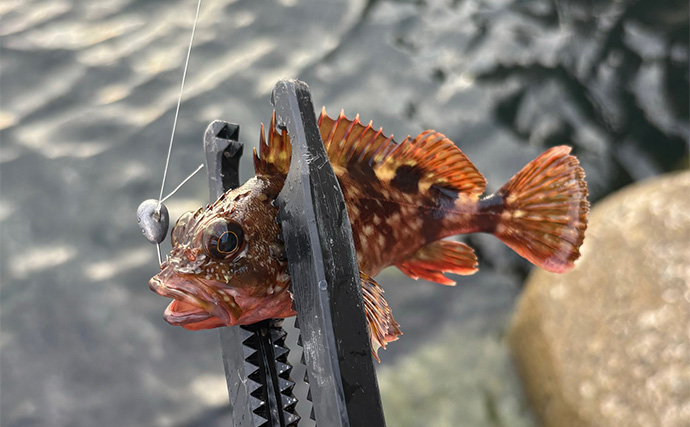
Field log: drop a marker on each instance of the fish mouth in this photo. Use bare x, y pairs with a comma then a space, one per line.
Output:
196, 305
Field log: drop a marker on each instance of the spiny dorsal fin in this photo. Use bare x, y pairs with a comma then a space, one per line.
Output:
382, 327
349, 143
275, 155
442, 256
431, 158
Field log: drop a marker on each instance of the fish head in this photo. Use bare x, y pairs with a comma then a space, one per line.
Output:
227, 265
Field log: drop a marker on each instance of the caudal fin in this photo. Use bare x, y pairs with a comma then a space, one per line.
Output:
544, 213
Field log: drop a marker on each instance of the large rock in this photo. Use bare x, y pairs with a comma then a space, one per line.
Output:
608, 344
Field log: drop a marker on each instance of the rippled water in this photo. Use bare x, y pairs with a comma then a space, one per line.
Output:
88, 92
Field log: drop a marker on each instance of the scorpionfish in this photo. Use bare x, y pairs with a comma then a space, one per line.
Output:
228, 266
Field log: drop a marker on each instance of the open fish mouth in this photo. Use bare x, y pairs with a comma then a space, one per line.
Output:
185, 314
195, 305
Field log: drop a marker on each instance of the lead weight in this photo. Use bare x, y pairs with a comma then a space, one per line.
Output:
153, 220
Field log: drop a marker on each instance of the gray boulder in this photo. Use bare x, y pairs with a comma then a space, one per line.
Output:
608, 344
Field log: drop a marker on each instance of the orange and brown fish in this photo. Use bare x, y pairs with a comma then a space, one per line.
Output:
228, 267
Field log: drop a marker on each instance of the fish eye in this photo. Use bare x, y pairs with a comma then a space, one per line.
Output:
180, 227
223, 239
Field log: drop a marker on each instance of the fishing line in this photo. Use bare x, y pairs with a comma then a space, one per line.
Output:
172, 135
182, 183
157, 211
152, 215
179, 100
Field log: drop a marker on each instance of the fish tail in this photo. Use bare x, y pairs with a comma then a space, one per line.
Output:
541, 213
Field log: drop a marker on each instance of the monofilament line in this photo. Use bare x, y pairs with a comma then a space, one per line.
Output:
158, 252
182, 183
160, 203
177, 113
179, 101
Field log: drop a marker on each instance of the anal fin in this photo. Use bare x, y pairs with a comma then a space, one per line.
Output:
382, 327
442, 256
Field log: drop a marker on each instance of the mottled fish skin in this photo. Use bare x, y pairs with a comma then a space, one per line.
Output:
389, 225
396, 198
228, 267
252, 287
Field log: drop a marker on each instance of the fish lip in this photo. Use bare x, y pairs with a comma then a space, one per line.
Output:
188, 318
190, 290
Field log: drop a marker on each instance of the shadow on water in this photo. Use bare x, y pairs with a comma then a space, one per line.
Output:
624, 76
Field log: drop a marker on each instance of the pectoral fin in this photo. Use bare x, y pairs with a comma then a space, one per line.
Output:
442, 256
382, 327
